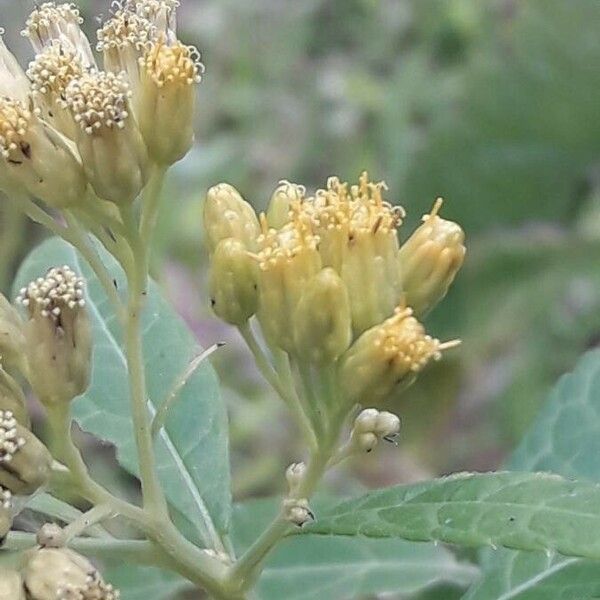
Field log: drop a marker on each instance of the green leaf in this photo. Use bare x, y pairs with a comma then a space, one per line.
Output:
564, 439
526, 511
140, 583
308, 567
192, 449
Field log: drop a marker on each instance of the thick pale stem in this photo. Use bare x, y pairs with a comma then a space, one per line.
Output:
285, 392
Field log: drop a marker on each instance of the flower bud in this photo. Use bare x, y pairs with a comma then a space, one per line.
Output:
38, 157
232, 282
287, 261
278, 213
13, 81
59, 337
54, 574
370, 427
51, 22
429, 261
387, 425
12, 399
366, 420
297, 511
294, 475
322, 323
5, 525
228, 215
123, 39
25, 463
11, 585
108, 139
12, 338
50, 73
386, 358
166, 100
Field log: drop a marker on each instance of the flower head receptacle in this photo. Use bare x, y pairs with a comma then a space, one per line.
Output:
12, 336
58, 334
12, 398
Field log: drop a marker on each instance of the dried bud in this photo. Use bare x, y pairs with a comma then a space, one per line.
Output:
278, 213
166, 100
51, 22
59, 338
287, 261
228, 215
297, 511
25, 462
108, 139
61, 574
386, 358
322, 323
38, 157
11, 585
12, 399
429, 261
12, 337
232, 282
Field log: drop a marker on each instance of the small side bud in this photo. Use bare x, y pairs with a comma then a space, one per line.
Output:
387, 358
228, 215
12, 336
59, 336
429, 261
278, 213
232, 282
322, 322
166, 100
56, 574
297, 511
51, 535
12, 399
11, 585
370, 427
295, 476
25, 462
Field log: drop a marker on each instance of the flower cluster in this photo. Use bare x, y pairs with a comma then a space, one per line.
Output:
330, 283
55, 574
69, 124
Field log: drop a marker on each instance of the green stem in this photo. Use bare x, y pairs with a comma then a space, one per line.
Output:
97, 514
285, 392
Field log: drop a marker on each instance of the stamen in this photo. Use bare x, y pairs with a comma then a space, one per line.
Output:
15, 119
99, 100
175, 64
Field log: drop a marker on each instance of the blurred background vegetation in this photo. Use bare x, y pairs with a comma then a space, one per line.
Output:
492, 105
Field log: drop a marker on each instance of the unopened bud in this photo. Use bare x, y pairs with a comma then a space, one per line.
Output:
429, 261
12, 399
38, 157
366, 420
387, 426
51, 535
25, 463
61, 574
114, 156
278, 213
370, 427
167, 98
232, 282
297, 511
386, 358
287, 261
322, 322
59, 336
295, 476
228, 215
12, 336
11, 585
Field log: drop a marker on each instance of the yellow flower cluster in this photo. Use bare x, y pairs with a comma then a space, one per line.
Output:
69, 124
330, 283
